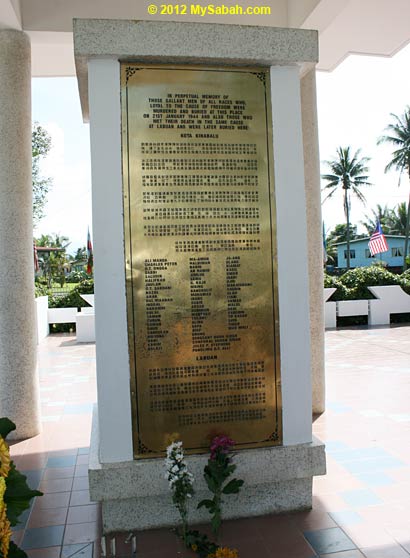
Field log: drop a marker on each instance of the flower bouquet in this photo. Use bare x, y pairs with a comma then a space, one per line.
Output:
15, 494
216, 473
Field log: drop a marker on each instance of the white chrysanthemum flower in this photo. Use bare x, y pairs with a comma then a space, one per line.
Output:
179, 478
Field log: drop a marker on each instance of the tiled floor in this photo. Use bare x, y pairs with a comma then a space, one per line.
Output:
361, 507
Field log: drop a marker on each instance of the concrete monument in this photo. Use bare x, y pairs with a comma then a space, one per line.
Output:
202, 308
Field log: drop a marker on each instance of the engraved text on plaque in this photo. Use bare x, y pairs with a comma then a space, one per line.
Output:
200, 256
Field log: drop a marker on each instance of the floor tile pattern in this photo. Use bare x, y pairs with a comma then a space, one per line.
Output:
360, 508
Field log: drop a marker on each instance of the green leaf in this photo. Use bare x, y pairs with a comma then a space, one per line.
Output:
6, 426
16, 552
233, 486
18, 494
211, 482
209, 504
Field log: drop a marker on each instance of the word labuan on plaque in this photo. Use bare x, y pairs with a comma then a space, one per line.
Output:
200, 257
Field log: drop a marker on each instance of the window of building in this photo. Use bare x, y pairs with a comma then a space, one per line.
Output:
352, 254
396, 252
368, 254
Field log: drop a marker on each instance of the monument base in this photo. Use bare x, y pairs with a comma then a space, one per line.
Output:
135, 494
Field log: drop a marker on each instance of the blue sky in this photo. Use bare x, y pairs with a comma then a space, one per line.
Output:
354, 104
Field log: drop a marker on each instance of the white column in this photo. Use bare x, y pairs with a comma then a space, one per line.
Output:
18, 375
113, 369
314, 238
292, 256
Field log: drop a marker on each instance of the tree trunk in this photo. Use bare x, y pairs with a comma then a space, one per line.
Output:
346, 204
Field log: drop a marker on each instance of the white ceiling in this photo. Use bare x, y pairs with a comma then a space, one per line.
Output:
379, 27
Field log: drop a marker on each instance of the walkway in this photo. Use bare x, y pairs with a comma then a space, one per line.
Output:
361, 508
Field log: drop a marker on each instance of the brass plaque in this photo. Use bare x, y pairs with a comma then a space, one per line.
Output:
200, 256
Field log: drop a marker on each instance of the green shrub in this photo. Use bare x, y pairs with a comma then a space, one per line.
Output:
70, 300
73, 299
406, 275
357, 280
76, 276
40, 290
85, 287
405, 281
353, 284
342, 292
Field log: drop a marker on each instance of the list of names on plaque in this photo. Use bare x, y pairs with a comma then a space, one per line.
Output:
200, 249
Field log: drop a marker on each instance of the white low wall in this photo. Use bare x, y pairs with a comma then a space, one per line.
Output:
330, 309
352, 308
62, 315
391, 299
85, 326
43, 328
84, 320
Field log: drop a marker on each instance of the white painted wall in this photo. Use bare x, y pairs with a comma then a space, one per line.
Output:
292, 271
113, 376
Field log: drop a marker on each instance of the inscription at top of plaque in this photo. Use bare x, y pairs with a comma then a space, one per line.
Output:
199, 241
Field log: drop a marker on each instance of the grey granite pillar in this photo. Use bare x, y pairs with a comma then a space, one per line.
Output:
315, 243
18, 375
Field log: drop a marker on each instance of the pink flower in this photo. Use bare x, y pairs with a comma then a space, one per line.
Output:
221, 444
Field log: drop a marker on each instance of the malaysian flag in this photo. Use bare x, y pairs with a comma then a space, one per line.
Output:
36, 266
90, 257
324, 244
377, 242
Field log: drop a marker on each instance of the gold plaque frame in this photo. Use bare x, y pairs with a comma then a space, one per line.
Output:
200, 252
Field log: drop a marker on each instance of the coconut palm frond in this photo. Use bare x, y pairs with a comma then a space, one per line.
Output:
399, 136
358, 193
348, 173
330, 194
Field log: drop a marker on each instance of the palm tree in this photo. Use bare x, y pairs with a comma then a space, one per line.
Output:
398, 219
338, 234
348, 173
53, 263
398, 134
80, 255
382, 215
54, 240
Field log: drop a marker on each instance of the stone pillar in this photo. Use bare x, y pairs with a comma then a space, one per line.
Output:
18, 375
315, 243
